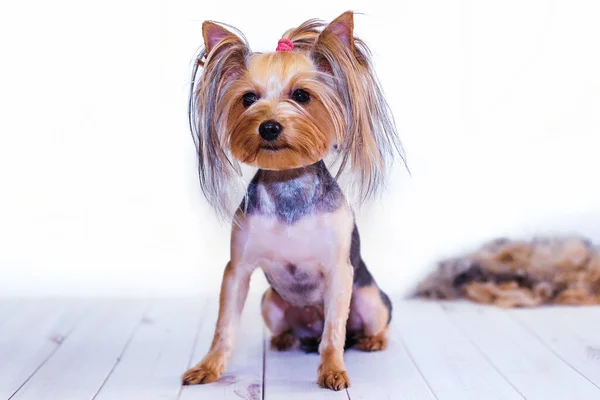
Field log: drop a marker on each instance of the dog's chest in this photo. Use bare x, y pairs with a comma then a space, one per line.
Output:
295, 258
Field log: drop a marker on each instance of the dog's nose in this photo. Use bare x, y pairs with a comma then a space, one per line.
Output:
269, 130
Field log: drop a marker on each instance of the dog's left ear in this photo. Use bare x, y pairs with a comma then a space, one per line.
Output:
370, 141
342, 28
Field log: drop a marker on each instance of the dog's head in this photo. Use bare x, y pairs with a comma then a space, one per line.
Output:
286, 109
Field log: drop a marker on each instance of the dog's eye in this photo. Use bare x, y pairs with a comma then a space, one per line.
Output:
248, 99
301, 96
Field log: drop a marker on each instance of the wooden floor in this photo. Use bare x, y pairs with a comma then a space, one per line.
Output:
137, 349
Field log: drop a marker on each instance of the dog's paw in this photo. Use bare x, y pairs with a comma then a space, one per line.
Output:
332, 379
371, 343
283, 342
200, 374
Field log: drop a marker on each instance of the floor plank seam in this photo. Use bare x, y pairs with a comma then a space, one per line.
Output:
202, 310
348, 393
545, 344
125, 347
398, 334
489, 361
58, 345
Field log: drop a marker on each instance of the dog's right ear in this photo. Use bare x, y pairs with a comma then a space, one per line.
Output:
215, 35
218, 64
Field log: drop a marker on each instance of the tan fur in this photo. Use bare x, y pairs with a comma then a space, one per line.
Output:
337, 296
283, 341
308, 129
234, 289
562, 270
318, 245
373, 343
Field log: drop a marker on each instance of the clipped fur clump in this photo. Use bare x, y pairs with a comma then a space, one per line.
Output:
515, 273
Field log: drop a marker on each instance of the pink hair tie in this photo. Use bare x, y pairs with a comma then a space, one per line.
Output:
285, 44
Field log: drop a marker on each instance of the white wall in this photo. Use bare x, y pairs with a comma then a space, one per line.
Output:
498, 105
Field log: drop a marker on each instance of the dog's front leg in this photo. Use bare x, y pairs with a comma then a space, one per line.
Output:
332, 372
234, 290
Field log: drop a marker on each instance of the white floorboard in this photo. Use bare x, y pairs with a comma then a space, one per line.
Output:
451, 365
81, 364
519, 356
151, 366
7, 305
128, 349
30, 336
388, 374
244, 375
293, 375
572, 333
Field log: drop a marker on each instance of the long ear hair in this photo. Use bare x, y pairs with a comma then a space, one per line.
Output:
370, 142
220, 61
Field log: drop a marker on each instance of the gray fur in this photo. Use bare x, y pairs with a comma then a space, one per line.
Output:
293, 194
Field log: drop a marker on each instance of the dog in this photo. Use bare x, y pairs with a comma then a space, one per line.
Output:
284, 112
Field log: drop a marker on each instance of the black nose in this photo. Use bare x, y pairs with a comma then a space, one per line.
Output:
269, 130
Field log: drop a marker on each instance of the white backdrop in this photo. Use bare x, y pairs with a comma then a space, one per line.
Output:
497, 103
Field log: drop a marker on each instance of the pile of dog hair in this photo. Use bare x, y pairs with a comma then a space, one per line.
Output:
513, 273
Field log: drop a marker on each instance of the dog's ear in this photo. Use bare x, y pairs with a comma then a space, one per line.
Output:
343, 28
214, 34
370, 141
219, 64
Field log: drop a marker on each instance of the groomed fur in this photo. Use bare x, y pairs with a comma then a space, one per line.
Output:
364, 138
370, 140
513, 273
216, 67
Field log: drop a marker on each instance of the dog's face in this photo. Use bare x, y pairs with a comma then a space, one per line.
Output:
278, 115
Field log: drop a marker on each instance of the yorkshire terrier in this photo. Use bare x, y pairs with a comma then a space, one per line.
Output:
284, 112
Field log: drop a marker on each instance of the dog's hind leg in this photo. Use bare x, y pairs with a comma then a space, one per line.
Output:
273, 312
372, 308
